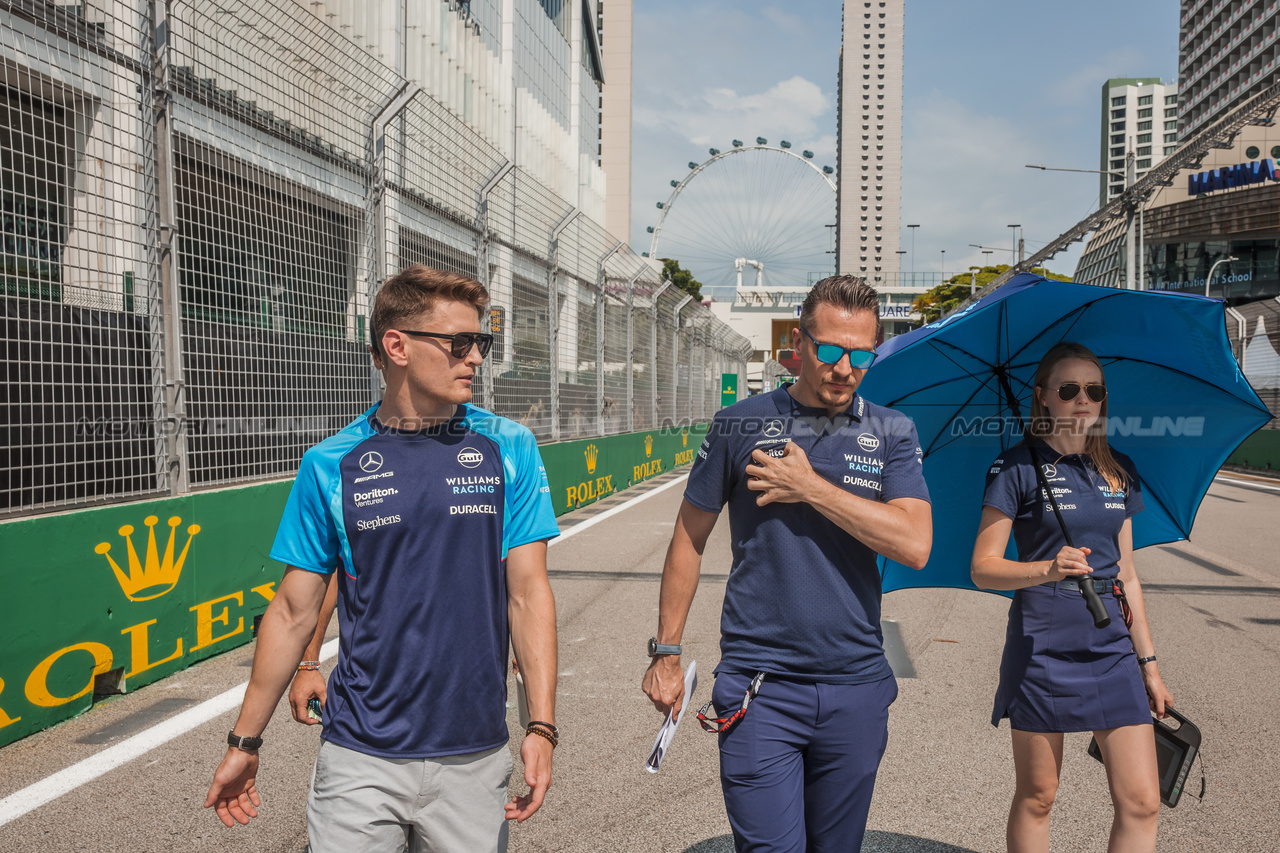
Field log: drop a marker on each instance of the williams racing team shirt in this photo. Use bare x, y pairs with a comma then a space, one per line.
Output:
1091, 510
419, 524
803, 597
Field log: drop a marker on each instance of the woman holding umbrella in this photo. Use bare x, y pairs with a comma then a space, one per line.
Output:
1059, 672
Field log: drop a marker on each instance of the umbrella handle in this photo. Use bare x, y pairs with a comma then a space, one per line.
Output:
1094, 602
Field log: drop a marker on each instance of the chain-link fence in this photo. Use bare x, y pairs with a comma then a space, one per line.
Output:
200, 200
1254, 330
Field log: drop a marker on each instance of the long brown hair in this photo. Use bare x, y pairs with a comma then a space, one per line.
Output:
1095, 443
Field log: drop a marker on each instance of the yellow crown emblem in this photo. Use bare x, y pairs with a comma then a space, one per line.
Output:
157, 575
684, 437
591, 453
648, 446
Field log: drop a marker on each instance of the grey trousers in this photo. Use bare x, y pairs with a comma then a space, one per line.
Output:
369, 804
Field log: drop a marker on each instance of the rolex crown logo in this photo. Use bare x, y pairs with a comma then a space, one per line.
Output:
648, 446
684, 437
591, 453
154, 575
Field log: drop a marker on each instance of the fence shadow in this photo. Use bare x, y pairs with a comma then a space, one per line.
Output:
874, 842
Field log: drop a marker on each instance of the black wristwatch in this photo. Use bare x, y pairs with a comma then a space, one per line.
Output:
656, 648
248, 744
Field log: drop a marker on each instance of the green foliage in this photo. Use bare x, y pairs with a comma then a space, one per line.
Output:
681, 278
948, 296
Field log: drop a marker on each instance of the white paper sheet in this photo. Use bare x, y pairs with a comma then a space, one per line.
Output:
669, 726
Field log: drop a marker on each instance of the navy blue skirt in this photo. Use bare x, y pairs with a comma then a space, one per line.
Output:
1061, 674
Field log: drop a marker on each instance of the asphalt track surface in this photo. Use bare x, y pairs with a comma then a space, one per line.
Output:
945, 782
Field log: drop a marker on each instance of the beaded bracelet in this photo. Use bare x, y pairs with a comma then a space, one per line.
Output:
309, 665
535, 730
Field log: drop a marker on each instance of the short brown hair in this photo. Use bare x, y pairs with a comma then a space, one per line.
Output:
846, 292
414, 291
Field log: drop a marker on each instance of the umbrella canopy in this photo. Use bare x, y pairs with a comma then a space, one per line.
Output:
1177, 402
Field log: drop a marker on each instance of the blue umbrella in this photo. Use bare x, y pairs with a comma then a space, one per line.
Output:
1178, 404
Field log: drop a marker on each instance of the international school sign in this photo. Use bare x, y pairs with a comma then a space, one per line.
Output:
1240, 175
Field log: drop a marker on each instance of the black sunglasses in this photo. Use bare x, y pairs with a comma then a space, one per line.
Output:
1068, 391
859, 359
459, 344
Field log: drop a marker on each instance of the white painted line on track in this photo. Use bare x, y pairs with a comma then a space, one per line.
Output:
65, 781
609, 513
1245, 484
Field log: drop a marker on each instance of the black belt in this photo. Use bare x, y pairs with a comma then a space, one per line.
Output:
1099, 586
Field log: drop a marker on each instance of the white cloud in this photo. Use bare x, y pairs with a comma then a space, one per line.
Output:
790, 107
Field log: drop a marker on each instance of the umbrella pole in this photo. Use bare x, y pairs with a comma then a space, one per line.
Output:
1092, 600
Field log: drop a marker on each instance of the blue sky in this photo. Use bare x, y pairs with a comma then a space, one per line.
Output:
989, 86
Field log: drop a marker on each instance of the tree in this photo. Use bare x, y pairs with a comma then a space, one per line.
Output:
681, 278
946, 297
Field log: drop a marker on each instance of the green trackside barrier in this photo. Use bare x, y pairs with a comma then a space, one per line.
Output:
109, 599
584, 471
1260, 450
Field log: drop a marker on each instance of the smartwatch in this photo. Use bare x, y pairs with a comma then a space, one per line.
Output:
656, 648
248, 744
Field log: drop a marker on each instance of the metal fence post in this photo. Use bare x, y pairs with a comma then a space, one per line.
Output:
553, 316
675, 360
653, 354
631, 391
482, 264
175, 474
602, 280
375, 229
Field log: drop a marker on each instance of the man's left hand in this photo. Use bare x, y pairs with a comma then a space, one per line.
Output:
788, 479
535, 752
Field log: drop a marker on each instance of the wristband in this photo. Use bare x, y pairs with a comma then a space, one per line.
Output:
538, 729
248, 744
309, 665
1147, 660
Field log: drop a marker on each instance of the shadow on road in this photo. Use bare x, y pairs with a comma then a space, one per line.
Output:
874, 842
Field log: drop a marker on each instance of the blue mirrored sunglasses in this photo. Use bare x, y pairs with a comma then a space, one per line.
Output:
859, 359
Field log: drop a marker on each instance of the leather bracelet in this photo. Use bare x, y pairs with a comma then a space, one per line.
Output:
1147, 660
309, 665
534, 730
548, 726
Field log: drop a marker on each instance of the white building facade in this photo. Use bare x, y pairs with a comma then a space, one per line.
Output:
1227, 53
1139, 114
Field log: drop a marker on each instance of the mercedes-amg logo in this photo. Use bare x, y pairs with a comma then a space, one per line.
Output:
371, 462
1051, 471
772, 429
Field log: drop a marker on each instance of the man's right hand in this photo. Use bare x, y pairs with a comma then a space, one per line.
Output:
664, 684
234, 793
306, 684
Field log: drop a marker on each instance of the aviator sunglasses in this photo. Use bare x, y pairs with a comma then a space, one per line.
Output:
459, 344
1068, 391
859, 359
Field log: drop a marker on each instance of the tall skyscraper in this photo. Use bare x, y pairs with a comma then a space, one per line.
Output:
615, 114
869, 140
1227, 52
1139, 113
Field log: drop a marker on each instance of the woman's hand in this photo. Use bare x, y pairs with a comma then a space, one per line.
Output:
1158, 695
1070, 563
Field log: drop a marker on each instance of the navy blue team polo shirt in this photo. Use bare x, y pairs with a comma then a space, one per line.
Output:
803, 597
419, 522
1091, 510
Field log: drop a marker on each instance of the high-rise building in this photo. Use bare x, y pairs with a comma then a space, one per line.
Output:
614, 29
869, 140
1139, 113
1227, 52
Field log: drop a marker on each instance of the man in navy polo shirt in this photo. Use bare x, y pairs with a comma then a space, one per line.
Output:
818, 482
434, 515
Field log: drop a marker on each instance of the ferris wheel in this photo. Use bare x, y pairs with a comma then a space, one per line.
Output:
753, 216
